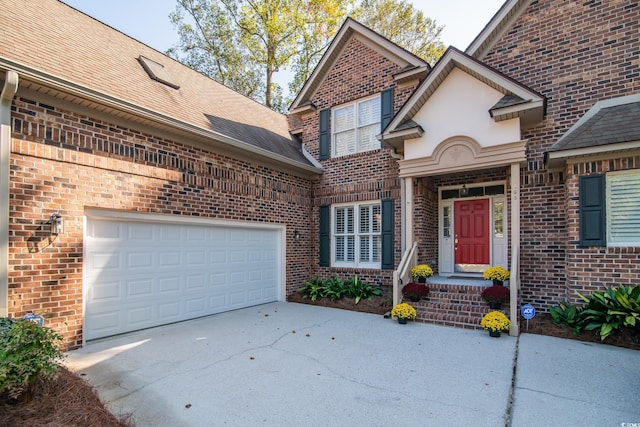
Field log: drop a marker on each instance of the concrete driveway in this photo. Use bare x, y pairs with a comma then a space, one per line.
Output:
290, 364
300, 365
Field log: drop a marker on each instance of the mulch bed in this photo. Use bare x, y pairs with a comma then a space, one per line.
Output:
68, 401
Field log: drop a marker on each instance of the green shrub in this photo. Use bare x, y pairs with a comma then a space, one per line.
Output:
611, 310
336, 289
568, 314
27, 351
313, 289
358, 289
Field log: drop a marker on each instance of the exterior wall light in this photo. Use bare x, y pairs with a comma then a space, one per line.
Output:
57, 223
464, 191
296, 235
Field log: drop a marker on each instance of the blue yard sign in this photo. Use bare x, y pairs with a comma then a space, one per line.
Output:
528, 311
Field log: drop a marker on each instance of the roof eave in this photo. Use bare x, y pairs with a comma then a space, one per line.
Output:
396, 139
555, 159
530, 113
151, 116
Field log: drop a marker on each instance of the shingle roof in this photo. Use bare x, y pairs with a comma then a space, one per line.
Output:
56, 40
609, 125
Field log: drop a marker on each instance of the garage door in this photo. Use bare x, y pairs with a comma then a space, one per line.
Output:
143, 274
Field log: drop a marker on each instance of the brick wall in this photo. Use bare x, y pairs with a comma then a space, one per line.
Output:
64, 162
575, 54
359, 72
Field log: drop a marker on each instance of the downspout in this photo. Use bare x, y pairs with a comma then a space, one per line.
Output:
6, 97
514, 280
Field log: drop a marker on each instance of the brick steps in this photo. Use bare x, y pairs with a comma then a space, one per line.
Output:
458, 305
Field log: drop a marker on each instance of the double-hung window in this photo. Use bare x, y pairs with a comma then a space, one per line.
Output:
355, 127
357, 240
623, 208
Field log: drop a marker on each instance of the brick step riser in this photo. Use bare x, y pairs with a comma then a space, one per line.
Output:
453, 305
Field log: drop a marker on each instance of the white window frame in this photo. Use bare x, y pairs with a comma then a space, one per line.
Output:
371, 234
630, 182
355, 128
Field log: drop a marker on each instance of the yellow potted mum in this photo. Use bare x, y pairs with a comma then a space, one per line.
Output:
495, 322
404, 312
496, 273
420, 272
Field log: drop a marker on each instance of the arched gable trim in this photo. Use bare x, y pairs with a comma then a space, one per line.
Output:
461, 154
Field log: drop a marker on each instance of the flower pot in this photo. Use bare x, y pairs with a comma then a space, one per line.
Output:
421, 279
498, 282
495, 334
402, 321
414, 298
495, 305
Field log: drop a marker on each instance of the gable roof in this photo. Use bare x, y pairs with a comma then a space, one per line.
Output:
518, 101
412, 64
60, 52
496, 27
610, 125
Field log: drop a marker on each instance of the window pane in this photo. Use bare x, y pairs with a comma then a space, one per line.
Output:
367, 138
351, 248
345, 143
498, 219
623, 208
340, 246
364, 249
365, 219
340, 220
343, 119
369, 112
446, 221
377, 218
377, 249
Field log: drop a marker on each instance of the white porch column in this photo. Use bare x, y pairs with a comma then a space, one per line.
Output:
408, 212
514, 279
6, 97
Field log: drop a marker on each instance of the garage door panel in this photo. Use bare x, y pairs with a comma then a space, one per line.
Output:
139, 275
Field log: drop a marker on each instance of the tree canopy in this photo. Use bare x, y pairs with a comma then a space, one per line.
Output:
242, 43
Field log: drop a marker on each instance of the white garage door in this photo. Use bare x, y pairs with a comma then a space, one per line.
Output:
143, 274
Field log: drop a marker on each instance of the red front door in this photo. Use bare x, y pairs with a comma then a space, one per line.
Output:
471, 227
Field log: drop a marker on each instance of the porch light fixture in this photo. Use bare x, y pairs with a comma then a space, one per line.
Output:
57, 224
296, 235
464, 191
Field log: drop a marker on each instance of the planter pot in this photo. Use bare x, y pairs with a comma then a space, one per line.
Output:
495, 305
402, 321
498, 282
414, 298
421, 280
495, 334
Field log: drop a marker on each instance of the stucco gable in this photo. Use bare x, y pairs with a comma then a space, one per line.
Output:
411, 65
516, 101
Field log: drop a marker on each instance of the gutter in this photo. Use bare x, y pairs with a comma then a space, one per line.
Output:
6, 98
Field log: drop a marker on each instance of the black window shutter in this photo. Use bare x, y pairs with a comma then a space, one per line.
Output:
325, 236
592, 211
325, 134
386, 108
388, 225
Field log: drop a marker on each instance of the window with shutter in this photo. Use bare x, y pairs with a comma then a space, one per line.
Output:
355, 126
357, 235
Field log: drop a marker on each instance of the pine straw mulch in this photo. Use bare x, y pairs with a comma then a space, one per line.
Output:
67, 401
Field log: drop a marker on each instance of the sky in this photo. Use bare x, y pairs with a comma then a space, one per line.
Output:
148, 20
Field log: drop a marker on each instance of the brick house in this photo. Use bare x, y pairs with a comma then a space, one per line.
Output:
179, 198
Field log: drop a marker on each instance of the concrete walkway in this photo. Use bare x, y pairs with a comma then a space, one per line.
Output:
290, 364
